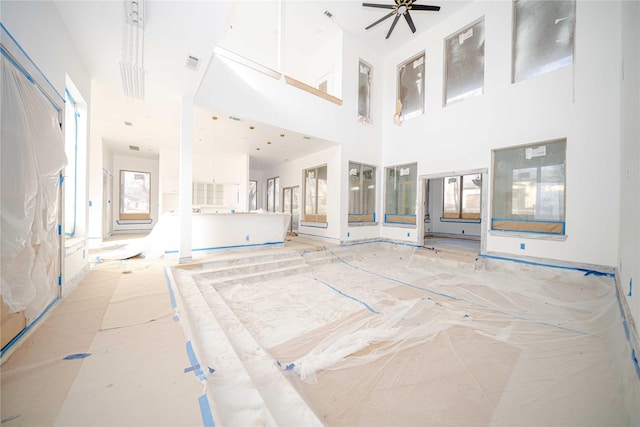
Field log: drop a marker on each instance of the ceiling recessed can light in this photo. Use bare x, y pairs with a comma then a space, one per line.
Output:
258, 149
282, 135
251, 127
268, 142
214, 117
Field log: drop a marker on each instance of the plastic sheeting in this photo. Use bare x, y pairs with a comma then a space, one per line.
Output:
32, 158
393, 335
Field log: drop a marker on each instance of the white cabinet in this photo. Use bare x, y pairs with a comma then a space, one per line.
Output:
215, 194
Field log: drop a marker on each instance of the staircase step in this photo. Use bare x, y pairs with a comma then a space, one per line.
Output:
262, 275
255, 267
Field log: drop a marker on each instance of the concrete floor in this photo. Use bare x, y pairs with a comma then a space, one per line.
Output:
314, 334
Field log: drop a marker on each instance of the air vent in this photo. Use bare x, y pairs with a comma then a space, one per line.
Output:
128, 123
328, 14
234, 118
134, 148
192, 63
306, 137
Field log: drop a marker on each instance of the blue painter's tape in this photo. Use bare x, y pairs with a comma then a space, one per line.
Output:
368, 307
630, 287
76, 356
176, 318
191, 368
12, 417
205, 411
194, 362
634, 359
28, 328
175, 251
171, 295
585, 271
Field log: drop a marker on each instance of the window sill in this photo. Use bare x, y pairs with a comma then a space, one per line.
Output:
398, 225
362, 224
461, 220
314, 224
529, 235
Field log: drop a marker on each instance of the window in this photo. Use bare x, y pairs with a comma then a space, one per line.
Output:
529, 188
362, 193
273, 194
315, 194
135, 195
464, 63
401, 187
410, 102
462, 197
253, 195
70, 171
543, 36
364, 92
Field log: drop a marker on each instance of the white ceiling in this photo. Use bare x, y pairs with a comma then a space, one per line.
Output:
175, 29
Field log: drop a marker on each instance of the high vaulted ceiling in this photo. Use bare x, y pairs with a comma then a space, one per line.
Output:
175, 30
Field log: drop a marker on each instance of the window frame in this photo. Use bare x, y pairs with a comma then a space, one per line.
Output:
125, 216
522, 223
462, 35
252, 203
420, 87
364, 216
461, 214
315, 216
400, 218
548, 66
364, 91
273, 197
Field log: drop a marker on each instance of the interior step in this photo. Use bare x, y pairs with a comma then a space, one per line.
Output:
279, 396
445, 257
259, 276
255, 266
327, 256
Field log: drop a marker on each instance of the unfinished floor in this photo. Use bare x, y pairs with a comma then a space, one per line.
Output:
373, 334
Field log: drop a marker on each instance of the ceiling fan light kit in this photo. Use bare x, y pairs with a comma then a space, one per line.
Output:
399, 8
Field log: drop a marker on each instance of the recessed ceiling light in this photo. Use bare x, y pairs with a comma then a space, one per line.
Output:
251, 127
258, 149
214, 117
268, 142
282, 135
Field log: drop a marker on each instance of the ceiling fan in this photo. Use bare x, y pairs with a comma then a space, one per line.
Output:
401, 7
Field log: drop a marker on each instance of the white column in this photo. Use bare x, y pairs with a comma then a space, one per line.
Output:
243, 190
186, 177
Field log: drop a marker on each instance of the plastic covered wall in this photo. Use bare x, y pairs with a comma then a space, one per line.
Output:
32, 157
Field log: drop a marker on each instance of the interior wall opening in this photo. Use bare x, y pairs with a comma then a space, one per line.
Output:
453, 207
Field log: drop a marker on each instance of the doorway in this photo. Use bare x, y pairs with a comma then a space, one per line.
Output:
453, 207
291, 202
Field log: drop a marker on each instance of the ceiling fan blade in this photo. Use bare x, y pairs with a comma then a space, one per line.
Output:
424, 7
395, 21
407, 17
381, 6
380, 20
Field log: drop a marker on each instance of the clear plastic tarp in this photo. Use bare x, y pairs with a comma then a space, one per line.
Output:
32, 158
393, 335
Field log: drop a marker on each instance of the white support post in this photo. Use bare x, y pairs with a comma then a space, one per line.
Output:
186, 178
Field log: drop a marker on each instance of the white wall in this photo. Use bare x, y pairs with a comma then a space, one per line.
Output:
629, 224
580, 103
